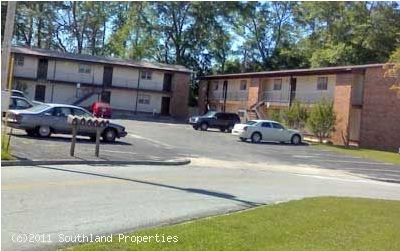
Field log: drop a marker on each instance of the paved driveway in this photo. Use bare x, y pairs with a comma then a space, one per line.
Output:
164, 141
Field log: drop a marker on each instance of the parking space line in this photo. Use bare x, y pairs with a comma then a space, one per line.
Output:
355, 162
151, 140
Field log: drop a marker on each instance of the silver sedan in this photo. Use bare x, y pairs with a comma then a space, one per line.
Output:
45, 119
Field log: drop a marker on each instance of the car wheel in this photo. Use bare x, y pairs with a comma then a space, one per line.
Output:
30, 132
230, 128
222, 129
256, 137
109, 135
204, 127
242, 139
44, 131
296, 139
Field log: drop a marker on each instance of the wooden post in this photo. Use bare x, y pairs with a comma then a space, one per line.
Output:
74, 131
98, 130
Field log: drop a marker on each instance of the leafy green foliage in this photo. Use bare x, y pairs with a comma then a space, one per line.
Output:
321, 121
296, 116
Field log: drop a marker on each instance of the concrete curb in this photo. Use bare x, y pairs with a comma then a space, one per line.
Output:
172, 162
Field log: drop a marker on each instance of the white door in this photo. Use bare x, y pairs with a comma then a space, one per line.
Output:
267, 131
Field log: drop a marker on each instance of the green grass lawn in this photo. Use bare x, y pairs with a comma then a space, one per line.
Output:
327, 223
388, 157
5, 153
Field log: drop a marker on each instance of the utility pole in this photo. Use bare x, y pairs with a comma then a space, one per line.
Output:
6, 46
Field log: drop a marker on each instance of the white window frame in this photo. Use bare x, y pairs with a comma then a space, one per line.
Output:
243, 85
277, 84
215, 85
20, 61
146, 74
85, 68
144, 99
322, 83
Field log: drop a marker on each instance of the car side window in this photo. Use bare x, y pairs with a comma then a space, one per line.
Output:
266, 124
79, 112
219, 115
277, 126
61, 111
20, 103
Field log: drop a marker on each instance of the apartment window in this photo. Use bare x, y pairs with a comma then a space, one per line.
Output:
144, 100
243, 85
146, 74
322, 83
277, 84
84, 68
215, 85
19, 61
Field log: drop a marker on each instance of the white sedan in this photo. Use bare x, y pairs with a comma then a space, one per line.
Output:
266, 130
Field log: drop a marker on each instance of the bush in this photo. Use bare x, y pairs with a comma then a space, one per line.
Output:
296, 116
321, 121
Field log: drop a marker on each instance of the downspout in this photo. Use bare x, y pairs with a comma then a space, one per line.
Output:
54, 77
225, 92
137, 92
206, 97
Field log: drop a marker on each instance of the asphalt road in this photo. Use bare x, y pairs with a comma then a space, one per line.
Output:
166, 141
59, 201
225, 175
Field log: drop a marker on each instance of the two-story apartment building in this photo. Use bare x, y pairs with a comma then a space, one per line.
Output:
79, 79
367, 110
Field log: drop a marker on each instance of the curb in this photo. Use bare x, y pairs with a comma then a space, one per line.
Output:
173, 162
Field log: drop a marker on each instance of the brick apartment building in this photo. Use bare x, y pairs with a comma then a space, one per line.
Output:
137, 86
367, 111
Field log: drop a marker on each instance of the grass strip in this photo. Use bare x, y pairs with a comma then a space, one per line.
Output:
327, 223
388, 157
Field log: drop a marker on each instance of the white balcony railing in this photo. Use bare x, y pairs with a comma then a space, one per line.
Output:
302, 96
231, 95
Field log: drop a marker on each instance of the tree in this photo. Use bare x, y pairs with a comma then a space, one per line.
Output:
321, 121
348, 33
393, 71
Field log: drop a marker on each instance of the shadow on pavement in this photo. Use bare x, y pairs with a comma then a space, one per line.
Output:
68, 139
190, 190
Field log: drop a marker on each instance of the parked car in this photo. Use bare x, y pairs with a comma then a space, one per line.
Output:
101, 109
18, 93
43, 120
16, 103
266, 130
212, 119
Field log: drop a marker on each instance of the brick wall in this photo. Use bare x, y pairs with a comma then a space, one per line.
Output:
341, 106
180, 95
380, 115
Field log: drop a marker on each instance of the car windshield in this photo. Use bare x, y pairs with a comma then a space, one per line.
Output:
38, 108
210, 114
251, 122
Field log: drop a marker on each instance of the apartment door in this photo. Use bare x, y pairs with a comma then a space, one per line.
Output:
40, 93
42, 68
293, 84
167, 82
105, 96
107, 76
165, 105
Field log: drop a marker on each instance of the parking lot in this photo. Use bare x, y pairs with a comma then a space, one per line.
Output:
151, 140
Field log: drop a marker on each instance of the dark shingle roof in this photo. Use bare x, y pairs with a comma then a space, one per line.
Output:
296, 72
97, 59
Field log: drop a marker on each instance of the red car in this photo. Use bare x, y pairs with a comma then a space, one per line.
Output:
101, 109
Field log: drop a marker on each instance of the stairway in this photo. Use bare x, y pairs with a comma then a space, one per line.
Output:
251, 115
80, 100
